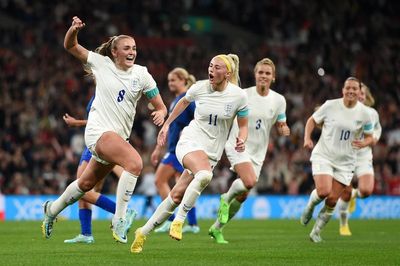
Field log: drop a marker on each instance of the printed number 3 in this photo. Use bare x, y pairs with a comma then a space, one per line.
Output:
121, 95
258, 124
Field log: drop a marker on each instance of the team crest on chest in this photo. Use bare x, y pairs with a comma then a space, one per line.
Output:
134, 86
228, 109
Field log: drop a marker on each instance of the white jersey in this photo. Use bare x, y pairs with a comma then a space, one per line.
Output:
341, 125
213, 117
365, 154
264, 112
117, 93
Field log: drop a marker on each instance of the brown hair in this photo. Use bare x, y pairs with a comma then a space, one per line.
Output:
354, 79
106, 47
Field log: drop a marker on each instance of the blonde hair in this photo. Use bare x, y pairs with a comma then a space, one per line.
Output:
369, 99
266, 61
232, 65
183, 74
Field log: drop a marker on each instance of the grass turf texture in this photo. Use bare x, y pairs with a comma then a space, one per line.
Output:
252, 242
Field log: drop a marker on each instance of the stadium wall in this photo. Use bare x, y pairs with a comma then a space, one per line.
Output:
256, 207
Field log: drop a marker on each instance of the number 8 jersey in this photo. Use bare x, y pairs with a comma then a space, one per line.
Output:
341, 125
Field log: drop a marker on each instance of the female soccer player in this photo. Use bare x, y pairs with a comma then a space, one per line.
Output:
179, 80
119, 85
218, 101
267, 108
93, 196
364, 167
333, 159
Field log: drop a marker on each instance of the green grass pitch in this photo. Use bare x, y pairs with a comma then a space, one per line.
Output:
252, 242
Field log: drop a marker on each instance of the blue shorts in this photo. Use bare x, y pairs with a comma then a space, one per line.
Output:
171, 160
86, 155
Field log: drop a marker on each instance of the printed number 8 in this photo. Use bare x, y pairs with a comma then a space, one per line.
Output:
121, 95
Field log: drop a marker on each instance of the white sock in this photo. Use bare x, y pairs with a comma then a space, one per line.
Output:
125, 188
71, 194
199, 183
314, 200
323, 218
356, 193
343, 211
236, 188
162, 213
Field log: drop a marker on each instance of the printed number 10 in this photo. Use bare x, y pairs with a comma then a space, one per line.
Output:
345, 134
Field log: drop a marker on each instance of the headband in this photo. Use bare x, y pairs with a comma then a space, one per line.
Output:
226, 61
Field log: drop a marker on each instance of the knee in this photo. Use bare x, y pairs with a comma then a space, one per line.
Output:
365, 192
322, 193
204, 177
159, 183
331, 202
134, 166
85, 184
176, 196
249, 183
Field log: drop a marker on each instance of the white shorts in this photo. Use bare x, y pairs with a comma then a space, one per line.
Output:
325, 168
186, 146
235, 158
364, 168
91, 138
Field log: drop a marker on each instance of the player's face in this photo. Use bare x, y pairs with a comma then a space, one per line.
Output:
174, 83
125, 53
264, 76
362, 95
217, 72
351, 90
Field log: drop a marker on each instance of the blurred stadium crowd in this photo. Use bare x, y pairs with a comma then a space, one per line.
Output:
315, 45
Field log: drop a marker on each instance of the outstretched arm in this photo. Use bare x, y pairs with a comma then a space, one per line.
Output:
71, 40
178, 109
73, 122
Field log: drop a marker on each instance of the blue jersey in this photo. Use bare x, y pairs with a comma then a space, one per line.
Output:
179, 123
89, 105
86, 154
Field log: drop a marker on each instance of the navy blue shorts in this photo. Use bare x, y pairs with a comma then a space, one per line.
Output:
171, 160
86, 155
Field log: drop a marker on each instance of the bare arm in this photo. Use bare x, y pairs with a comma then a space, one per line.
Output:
160, 110
73, 122
368, 140
310, 125
178, 109
243, 132
283, 129
71, 40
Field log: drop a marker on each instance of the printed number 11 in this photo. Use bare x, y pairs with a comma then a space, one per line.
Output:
210, 122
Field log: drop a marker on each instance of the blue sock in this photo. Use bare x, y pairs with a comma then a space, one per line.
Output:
85, 217
192, 219
172, 217
106, 204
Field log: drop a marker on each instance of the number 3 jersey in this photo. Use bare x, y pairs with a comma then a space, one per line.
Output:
213, 116
264, 112
117, 94
341, 125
